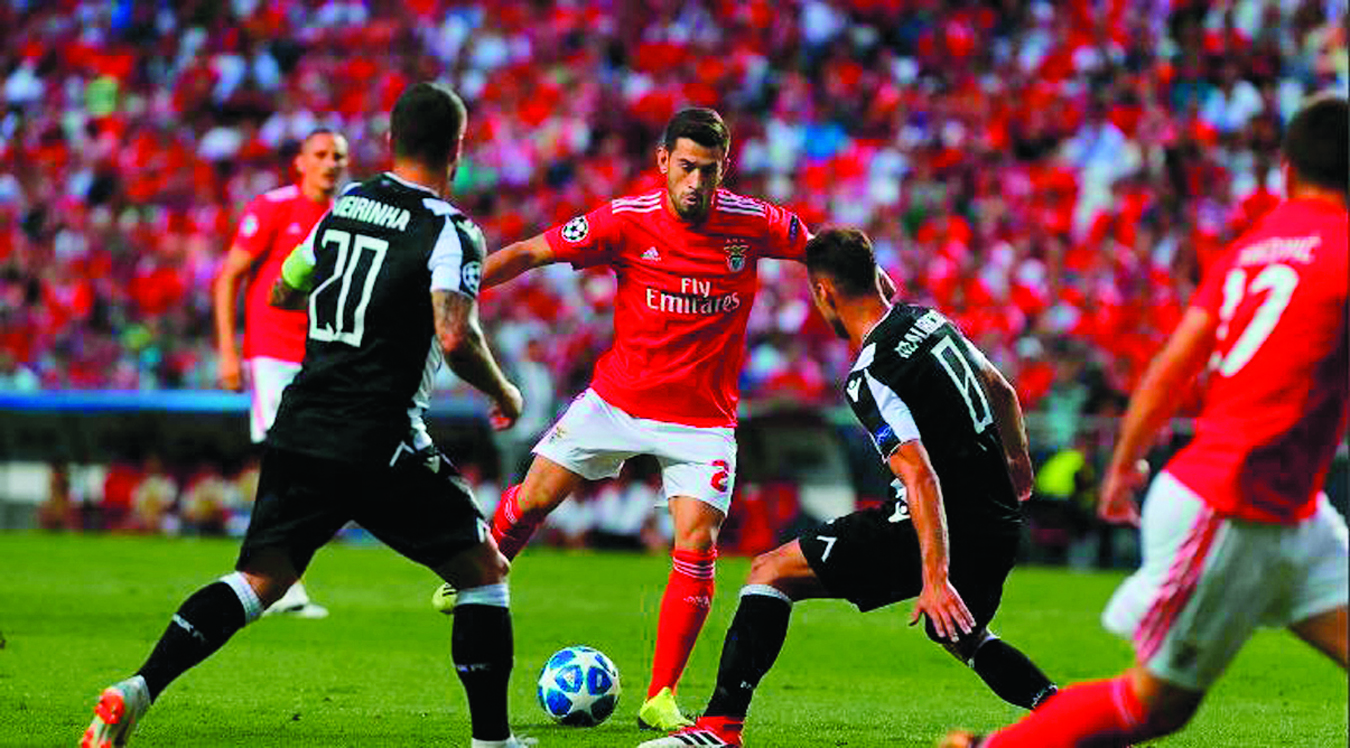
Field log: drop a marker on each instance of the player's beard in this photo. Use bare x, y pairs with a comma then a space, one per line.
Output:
691, 213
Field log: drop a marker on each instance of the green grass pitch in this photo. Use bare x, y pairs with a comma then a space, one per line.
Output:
78, 613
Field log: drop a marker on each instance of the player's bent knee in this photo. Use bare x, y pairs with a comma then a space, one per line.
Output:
268, 587
270, 573
698, 540
763, 569
483, 564
963, 649
546, 485
779, 568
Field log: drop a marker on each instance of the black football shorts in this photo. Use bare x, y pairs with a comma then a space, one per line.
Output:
420, 506
871, 558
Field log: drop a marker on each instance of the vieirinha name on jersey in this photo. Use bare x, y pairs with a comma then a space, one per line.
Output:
924, 326
372, 211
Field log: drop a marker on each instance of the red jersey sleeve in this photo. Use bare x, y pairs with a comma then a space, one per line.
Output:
256, 227
787, 234
585, 241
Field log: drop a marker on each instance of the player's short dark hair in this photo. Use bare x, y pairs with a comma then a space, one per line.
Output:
701, 125
316, 132
846, 256
1315, 143
426, 123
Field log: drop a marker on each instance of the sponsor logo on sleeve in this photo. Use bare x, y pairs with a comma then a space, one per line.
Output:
576, 229
471, 275
249, 226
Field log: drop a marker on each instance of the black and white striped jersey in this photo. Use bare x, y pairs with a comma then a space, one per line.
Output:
915, 378
371, 350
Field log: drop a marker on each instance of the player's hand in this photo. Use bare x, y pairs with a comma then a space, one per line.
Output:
1117, 504
230, 374
945, 608
506, 409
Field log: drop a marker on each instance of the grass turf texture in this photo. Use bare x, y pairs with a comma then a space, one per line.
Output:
78, 613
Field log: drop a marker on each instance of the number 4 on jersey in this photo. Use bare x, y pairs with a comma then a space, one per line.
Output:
966, 384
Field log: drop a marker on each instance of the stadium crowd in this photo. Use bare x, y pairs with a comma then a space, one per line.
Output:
1052, 175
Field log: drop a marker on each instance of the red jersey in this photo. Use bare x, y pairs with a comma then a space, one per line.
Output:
273, 224
683, 298
1275, 406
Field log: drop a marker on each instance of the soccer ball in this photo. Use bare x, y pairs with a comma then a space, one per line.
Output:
579, 686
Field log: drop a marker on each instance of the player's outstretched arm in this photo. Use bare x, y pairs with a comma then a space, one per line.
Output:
1012, 427
466, 350
939, 600
1154, 402
514, 259
224, 295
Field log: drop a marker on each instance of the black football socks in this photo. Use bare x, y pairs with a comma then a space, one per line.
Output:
1010, 674
202, 625
752, 644
482, 649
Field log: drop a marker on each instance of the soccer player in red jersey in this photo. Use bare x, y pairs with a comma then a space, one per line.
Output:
1236, 530
274, 339
685, 259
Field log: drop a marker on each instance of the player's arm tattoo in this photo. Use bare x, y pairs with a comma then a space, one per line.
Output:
283, 296
465, 346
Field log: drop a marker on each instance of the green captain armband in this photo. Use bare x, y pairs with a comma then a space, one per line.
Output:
298, 269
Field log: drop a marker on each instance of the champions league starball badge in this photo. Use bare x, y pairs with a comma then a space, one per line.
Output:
471, 275
576, 229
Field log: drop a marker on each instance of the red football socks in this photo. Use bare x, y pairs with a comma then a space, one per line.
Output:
1099, 713
684, 608
512, 528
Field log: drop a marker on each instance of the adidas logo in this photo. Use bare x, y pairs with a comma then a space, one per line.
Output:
651, 255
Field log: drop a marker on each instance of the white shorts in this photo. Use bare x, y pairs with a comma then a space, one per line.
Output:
267, 378
593, 438
1207, 582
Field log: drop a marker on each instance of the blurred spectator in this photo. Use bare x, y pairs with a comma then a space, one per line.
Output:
61, 509
208, 500
153, 500
1011, 180
16, 377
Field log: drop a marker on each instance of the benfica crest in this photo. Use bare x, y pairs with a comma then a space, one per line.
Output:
736, 249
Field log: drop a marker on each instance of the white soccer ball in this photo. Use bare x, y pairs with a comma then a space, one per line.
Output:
579, 686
